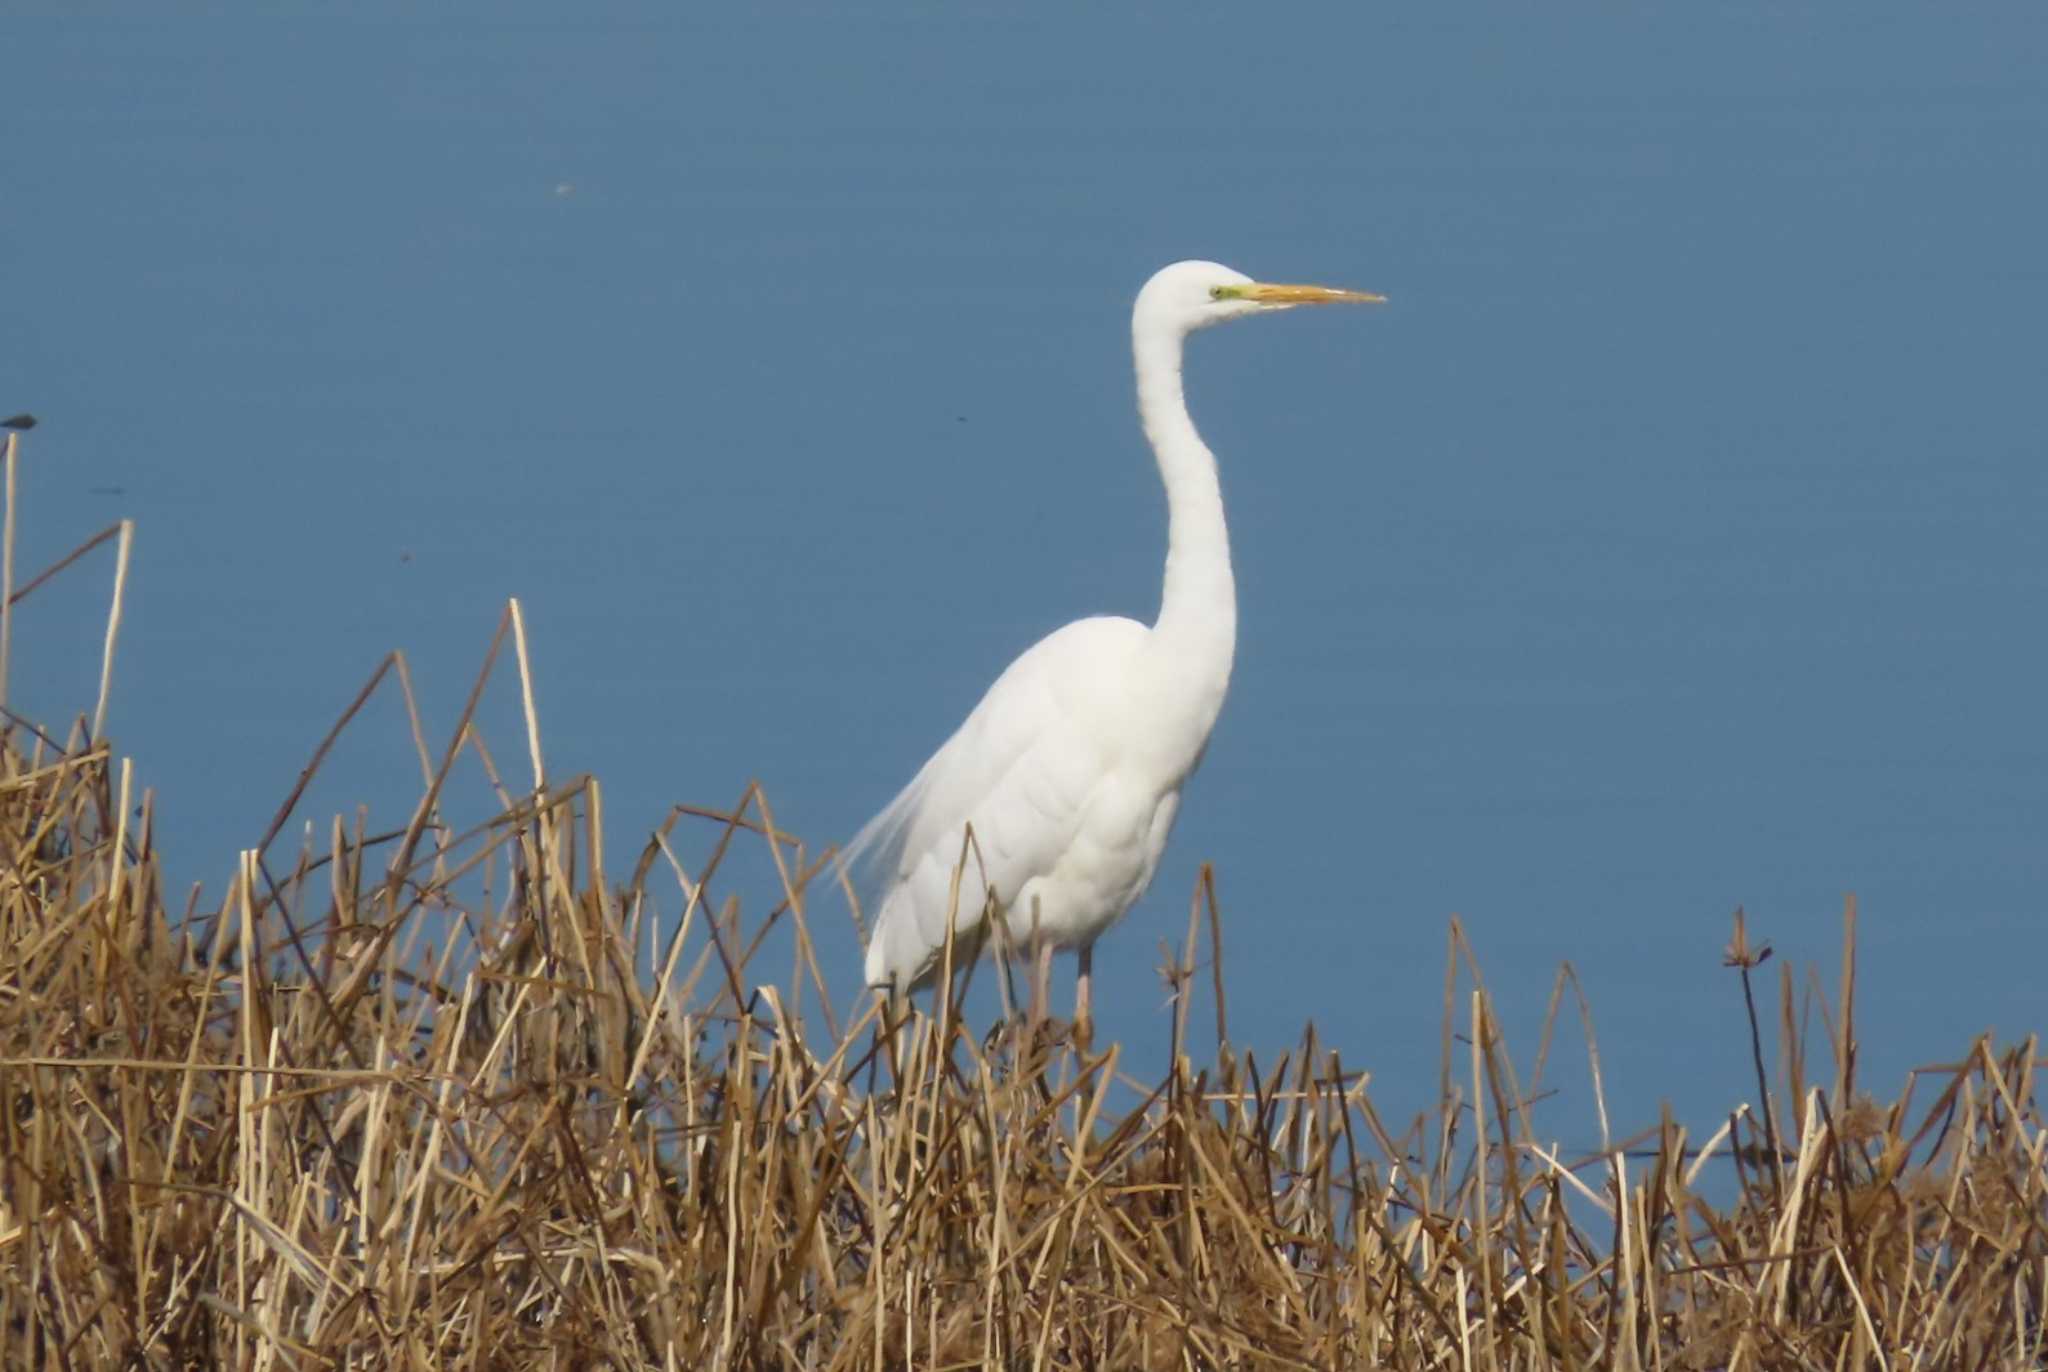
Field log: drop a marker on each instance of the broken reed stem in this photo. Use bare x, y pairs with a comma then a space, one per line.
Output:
99, 714
12, 451
1207, 877
526, 693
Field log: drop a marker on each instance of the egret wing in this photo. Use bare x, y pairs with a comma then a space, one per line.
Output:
1019, 770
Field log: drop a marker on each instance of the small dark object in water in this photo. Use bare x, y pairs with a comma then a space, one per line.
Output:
23, 422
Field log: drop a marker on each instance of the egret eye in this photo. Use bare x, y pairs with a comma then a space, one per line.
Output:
1216, 292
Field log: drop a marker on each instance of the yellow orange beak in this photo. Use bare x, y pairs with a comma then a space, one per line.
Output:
1301, 295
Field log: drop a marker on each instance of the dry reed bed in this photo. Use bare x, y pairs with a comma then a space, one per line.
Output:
431, 1099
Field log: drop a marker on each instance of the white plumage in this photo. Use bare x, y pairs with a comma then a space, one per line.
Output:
1069, 771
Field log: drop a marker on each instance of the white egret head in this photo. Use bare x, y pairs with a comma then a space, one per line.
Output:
1193, 295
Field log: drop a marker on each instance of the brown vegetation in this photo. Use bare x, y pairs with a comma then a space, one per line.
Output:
438, 1099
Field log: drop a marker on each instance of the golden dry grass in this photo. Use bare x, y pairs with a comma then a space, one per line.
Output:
439, 1099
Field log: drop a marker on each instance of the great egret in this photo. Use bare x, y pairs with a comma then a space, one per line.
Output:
1070, 769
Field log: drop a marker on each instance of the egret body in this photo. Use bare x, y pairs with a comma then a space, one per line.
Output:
1069, 771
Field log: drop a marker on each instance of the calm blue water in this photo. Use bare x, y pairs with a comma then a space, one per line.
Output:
1673, 541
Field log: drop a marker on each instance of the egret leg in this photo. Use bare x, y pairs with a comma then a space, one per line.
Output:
1084, 1023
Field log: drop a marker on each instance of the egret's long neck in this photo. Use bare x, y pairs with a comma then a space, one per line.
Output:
1198, 608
